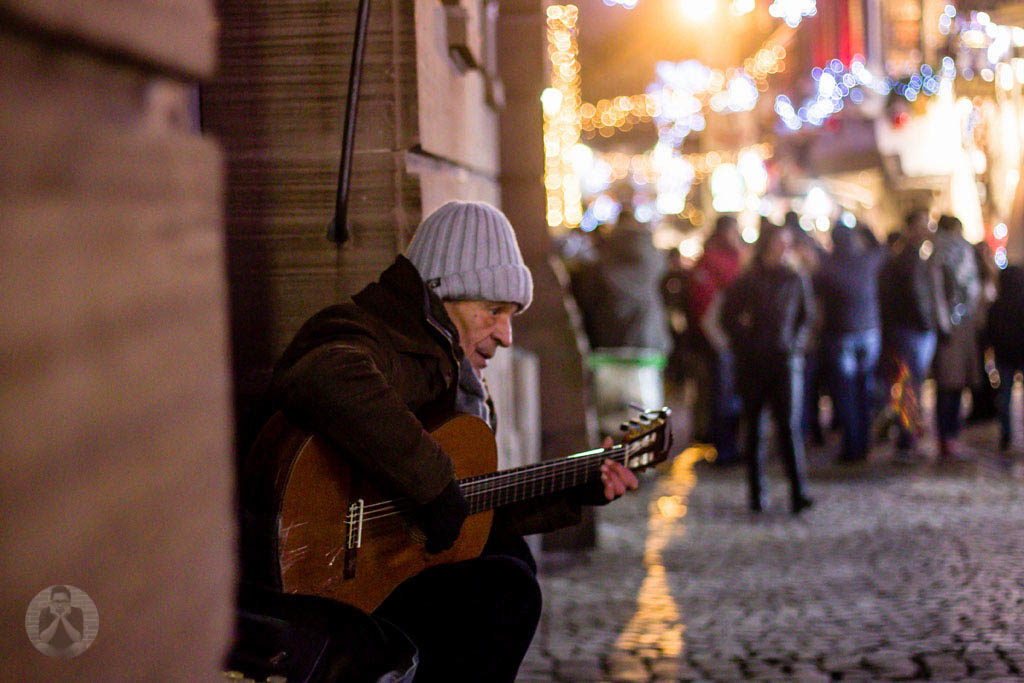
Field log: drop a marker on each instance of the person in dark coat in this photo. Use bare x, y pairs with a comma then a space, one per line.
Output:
1005, 334
846, 284
983, 393
367, 375
908, 296
956, 355
717, 268
620, 295
766, 315
809, 255
674, 287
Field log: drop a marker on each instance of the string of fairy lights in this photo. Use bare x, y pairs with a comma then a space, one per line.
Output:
985, 50
674, 102
561, 104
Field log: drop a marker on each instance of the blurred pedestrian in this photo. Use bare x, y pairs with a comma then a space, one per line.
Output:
716, 269
619, 293
847, 287
675, 286
983, 393
907, 294
766, 315
956, 355
808, 254
1005, 334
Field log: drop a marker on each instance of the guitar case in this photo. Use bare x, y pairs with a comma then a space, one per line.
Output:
314, 640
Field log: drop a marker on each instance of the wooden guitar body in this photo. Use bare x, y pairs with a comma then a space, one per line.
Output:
314, 525
317, 550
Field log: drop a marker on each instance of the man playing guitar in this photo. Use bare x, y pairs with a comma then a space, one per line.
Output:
366, 376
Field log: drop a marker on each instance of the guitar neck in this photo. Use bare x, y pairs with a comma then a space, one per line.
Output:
489, 491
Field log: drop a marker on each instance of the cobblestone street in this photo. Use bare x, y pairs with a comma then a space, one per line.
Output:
897, 572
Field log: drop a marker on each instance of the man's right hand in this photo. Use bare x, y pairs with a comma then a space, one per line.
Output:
441, 519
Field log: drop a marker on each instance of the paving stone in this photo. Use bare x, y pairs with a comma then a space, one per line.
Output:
808, 673
944, 667
891, 664
579, 671
842, 663
623, 667
667, 668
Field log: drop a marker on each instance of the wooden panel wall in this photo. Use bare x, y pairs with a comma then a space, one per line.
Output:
114, 380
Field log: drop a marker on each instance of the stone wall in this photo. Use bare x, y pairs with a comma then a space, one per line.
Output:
115, 411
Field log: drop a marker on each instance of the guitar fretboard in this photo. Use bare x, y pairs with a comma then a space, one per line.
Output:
489, 491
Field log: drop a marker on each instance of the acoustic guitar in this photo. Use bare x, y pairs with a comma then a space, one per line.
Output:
332, 533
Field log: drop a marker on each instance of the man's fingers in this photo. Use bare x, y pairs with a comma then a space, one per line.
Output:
616, 479
620, 472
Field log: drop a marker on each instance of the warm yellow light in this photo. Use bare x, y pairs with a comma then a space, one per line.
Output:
741, 7
551, 101
698, 10
562, 122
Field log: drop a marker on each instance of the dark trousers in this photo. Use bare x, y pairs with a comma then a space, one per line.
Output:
947, 412
725, 406
472, 620
778, 384
916, 348
810, 415
1003, 401
852, 358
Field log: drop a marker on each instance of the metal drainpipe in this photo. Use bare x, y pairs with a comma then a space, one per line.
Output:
337, 231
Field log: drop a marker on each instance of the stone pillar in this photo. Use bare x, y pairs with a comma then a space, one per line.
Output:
545, 329
114, 383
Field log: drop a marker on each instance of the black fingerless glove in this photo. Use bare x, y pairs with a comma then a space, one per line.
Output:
441, 519
591, 493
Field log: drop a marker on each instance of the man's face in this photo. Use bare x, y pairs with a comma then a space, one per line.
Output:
60, 602
483, 326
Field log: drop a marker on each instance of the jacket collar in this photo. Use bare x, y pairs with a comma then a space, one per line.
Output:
411, 309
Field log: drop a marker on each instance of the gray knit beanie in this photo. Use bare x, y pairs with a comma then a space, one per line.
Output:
468, 251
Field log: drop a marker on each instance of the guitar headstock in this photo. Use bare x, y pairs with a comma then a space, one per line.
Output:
647, 439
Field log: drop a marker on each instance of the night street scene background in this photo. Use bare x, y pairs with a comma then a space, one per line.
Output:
797, 224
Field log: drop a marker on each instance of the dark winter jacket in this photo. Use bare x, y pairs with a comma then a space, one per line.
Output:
620, 296
847, 285
368, 374
961, 280
907, 289
1005, 328
766, 314
714, 271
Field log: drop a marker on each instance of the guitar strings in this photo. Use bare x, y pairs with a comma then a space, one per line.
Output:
499, 480
472, 484
391, 508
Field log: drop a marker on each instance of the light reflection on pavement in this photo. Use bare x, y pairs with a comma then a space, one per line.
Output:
656, 630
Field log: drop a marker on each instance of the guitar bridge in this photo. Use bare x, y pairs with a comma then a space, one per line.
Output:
354, 521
